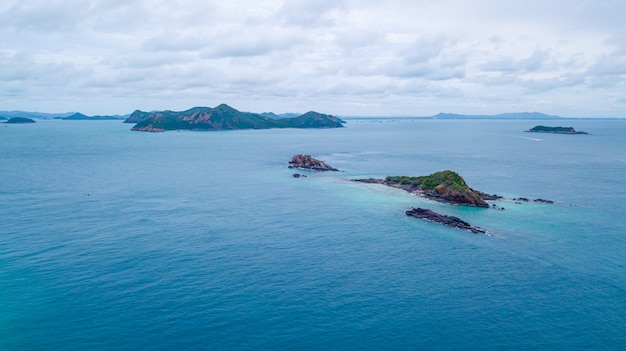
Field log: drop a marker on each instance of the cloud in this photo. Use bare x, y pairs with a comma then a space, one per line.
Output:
608, 71
291, 53
509, 64
309, 13
261, 41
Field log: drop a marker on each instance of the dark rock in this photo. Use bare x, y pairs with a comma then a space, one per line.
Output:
308, 162
490, 197
544, 201
298, 175
451, 221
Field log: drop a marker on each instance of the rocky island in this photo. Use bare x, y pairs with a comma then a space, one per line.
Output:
19, 120
450, 221
224, 117
445, 186
307, 162
554, 130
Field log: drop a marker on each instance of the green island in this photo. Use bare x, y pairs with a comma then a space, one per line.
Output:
555, 130
224, 117
19, 120
445, 186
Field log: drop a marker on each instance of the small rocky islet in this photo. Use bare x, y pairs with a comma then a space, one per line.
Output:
445, 186
555, 130
304, 161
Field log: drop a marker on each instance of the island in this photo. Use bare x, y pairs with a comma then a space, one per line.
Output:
81, 117
224, 117
450, 221
555, 130
19, 120
445, 186
308, 162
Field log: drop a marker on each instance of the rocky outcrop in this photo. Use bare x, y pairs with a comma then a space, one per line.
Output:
450, 221
308, 162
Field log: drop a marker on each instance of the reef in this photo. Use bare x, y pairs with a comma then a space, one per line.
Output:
450, 221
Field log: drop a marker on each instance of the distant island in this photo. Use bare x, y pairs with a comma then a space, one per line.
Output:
555, 130
26, 114
81, 117
445, 186
19, 120
511, 115
224, 117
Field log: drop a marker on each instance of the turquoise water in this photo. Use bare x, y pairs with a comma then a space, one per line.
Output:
118, 240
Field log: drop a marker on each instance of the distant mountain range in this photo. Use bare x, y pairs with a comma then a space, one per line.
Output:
224, 117
81, 117
139, 116
25, 114
280, 116
514, 115
65, 116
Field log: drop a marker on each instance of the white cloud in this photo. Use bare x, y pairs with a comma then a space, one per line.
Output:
351, 57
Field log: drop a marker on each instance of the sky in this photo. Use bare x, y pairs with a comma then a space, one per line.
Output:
341, 57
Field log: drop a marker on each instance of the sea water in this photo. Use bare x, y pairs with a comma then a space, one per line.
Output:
120, 240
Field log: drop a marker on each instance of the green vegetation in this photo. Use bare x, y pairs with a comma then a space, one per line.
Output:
449, 179
446, 185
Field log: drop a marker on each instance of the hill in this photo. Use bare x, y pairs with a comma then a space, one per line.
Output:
224, 117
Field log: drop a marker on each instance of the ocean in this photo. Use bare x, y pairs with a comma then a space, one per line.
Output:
120, 240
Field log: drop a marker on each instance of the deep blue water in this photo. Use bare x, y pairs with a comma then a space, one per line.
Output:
120, 240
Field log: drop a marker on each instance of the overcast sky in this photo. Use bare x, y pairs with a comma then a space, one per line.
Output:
341, 57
